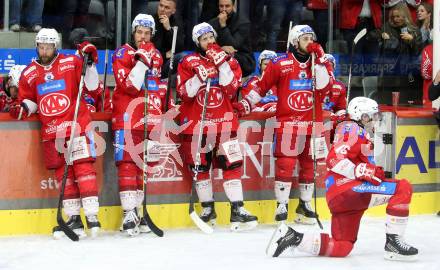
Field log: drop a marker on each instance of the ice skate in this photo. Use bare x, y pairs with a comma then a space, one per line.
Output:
208, 214
75, 223
241, 219
93, 225
130, 223
305, 214
283, 238
397, 250
281, 212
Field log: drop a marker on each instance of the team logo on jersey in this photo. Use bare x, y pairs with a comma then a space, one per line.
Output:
300, 101
302, 74
54, 104
215, 98
155, 103
48, 77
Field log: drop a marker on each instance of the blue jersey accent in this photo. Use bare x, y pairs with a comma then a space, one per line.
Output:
304, 84
91, 137
386, 188
268, 98
329, 181
327, 106
279, 58
119, 144
152, 86
51, 87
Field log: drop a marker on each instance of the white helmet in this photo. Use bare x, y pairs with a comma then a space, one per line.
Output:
47, 35
201, 29
297, 31
144, 20
266, 54
359, 106
331, 58
14, 74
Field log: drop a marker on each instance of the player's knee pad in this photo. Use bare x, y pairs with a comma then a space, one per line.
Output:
59, 173
71, 190
83, 169
284, 168
86, 178
340, 248
127, 174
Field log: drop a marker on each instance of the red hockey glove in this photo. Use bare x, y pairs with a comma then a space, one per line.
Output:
216, 54
338, 118
19, 111
90, 49
370, 173
243, 107
145, 53
201, 73
316, 49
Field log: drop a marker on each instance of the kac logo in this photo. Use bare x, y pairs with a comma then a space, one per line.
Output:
300, 101
54, 104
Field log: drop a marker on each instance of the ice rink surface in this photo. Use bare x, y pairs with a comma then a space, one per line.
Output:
191, 249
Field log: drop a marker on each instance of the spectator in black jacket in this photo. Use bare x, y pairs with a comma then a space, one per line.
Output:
163, 38
233, 35
433, 94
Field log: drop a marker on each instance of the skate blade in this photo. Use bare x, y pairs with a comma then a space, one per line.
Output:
199, 223
238, 226
301, 219
280, 231
131, 232
94, 232
60, 234
398, 257
144, 229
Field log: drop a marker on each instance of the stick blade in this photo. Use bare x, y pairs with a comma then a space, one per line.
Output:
156, 230
67, 231
199, 223
360, 35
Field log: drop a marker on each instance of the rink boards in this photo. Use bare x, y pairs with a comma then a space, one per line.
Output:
28, 192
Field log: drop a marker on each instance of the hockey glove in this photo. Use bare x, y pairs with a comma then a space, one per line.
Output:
19, 111
90, 49
145, 53
317, 50
216, 54
201, 73
370, 173
243, 107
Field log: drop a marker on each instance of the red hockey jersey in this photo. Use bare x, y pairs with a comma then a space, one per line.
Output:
293, 81
351, 146
128, 102
219, 110
54, 89
336, 99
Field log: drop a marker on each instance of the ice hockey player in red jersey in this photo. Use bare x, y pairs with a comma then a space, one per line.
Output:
137, 68
353, 185
50, 86
269, 102
94, 100
220, 146
291, 73
9, 87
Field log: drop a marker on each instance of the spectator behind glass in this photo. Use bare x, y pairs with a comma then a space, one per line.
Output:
401, 43
165, 19
75, 16
31, 10
320, 15
188, 13
426, 72
424, 21
276, 11
356, 15
233, 35
411, 4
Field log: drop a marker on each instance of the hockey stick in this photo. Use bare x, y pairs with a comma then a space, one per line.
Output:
106, 55
288, 37
359, 35
312, 137
192, 213
156, 230
173, 50
61, 223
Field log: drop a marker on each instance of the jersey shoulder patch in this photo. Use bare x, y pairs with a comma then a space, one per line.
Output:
280, 58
